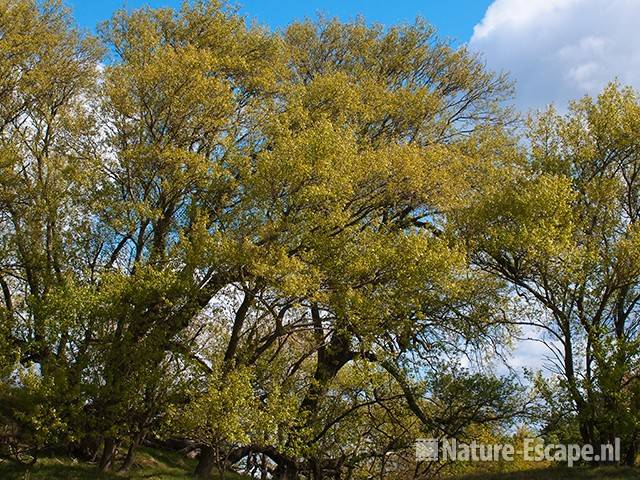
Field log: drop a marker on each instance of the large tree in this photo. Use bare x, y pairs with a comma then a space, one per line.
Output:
214, 199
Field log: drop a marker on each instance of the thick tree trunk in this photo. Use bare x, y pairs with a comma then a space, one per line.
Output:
286, 471
264, 471
316, 470
128, 461
206, 462
330, 360
108, 454
131, 453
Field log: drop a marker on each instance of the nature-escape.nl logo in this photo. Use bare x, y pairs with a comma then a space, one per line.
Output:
532, 450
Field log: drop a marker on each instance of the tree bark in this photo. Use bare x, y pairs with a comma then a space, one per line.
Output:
206, 462
240, 317
108, 454
286, 471
264, 471
135, 443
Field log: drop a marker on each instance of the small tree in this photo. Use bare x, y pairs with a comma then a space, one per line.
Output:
230, 416
563, 232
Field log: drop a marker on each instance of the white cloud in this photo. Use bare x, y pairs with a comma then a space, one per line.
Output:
558, 50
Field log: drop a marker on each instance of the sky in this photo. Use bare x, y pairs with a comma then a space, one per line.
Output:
558, 50
454, 19
554, 50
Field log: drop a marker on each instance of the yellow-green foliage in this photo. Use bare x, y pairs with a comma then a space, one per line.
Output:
280, 239
230, 412
562, 230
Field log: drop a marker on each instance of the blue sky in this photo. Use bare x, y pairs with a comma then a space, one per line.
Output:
454, 19
555, 50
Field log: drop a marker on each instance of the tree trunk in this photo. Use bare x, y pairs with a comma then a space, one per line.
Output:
631, 451
316, 470
206, 462
286, 471
88, 448
331, 359
108, 454
264, 470
131, 453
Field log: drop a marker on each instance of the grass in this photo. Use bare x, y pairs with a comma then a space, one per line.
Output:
150, 464
602, 473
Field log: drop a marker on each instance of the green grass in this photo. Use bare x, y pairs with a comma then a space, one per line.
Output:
603, 473
150, 464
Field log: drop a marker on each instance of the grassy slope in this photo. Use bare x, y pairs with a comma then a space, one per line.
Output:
164, 465
150, 464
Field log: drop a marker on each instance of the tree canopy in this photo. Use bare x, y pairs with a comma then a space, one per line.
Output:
277, 247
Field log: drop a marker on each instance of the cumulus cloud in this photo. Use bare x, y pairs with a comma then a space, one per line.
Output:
558, 50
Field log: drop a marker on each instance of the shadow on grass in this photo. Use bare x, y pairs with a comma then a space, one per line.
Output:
168, 458
150, 464
51, 468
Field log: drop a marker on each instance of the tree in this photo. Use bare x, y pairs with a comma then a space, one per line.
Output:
216, 198
563, 233
47, 70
